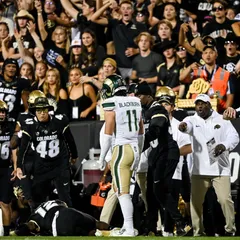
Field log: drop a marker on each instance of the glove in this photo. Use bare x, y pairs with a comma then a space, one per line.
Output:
102, 164
219, 149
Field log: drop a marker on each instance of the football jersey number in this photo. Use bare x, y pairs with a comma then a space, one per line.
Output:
52, 150
9, 99
4, 150
43, 209
130, 115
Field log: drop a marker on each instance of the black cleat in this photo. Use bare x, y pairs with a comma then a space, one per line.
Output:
182, 229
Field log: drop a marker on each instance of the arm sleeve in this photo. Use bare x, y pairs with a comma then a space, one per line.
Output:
106, 146
25, 143
70, 142
141, 142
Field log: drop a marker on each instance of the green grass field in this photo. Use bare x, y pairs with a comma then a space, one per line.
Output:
116, 238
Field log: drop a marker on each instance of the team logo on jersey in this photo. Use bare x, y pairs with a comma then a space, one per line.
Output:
37, 133
45, 131
29, 121
217, 126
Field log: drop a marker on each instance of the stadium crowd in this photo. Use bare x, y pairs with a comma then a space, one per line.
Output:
87, 60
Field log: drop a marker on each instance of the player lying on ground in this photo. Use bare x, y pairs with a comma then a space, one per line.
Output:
54, 218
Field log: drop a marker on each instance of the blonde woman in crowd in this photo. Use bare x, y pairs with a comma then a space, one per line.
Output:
52, 89
108, 68
40, 76
82, 97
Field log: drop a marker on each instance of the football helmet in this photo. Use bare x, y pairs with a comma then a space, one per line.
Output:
33, 96
112, 85
165, 94
165, 91
42, 102
3, 107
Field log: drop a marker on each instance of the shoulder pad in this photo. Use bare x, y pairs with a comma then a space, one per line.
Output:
155, 109
109, 104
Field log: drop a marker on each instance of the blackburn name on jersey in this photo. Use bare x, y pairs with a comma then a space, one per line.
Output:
128, 115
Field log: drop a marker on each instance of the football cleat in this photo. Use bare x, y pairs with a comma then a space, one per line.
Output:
122, 232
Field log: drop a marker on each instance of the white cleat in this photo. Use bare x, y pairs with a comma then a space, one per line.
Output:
167, 234
121, 232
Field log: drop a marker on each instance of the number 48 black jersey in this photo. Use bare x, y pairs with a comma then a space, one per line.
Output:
52, 141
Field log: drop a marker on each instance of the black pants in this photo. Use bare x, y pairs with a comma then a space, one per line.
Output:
159, 191
27, 182
6, 189
172, 200
42, 189
186, 183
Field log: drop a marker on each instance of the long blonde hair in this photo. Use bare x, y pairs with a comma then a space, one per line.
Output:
58, 83
43, 63
67, 41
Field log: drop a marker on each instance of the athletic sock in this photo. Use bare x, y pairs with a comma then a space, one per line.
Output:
127, 211
6, 230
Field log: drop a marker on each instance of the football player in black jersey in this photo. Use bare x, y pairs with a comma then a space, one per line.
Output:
162, 159
6, 131
54, 218
24, 119
13, 88
53, 143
